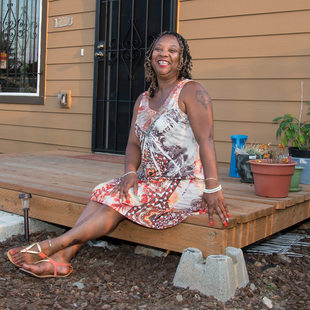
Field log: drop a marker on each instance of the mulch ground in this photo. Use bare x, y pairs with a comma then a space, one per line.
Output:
121, 279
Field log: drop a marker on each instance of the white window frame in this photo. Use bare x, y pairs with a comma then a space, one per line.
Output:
38, 96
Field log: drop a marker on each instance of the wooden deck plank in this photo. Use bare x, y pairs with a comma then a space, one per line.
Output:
61, 181
248, 210
55, 175
52, 210
281, 203
62, 185
178, 238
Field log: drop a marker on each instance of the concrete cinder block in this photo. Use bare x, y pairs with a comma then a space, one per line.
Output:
219, 272
219, 275
12, 224
240, 272
189, 269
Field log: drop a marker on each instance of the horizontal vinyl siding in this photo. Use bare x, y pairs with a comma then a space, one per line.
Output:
251, 57
45, 136
256, 25
46, 120
79, 105
25, 128
201, 9
245, 68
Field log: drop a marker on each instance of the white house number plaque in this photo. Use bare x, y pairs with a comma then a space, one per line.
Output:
63, 21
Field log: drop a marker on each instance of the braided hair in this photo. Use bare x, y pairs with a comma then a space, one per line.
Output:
185, 62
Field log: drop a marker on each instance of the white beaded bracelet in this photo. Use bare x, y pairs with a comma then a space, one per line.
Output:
128, 173
212, 190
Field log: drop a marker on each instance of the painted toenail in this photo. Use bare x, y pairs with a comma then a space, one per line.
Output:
12, 252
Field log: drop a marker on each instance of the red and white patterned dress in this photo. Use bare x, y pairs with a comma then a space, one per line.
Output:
171, 178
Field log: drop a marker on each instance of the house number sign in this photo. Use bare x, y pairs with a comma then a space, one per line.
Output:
63, 21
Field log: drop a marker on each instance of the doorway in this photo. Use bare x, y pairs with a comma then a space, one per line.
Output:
124, 31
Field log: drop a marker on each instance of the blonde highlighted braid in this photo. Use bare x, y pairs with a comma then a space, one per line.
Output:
185, 63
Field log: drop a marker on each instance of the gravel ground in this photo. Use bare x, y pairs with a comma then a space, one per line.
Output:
121, 279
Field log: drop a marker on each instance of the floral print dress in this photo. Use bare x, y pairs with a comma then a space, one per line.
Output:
171, 178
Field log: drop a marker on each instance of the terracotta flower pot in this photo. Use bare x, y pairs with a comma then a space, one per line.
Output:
272, 179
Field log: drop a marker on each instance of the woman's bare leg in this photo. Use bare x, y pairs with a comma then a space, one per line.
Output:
64, 247
91, 208
95, 221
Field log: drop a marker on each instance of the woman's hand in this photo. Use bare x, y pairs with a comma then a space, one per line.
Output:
126, 182
214, 203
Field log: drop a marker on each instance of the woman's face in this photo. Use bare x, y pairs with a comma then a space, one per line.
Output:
166, 56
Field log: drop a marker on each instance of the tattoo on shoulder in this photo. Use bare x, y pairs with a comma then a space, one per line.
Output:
203, 97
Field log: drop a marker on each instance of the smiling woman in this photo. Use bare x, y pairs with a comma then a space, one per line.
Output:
170, 166
179, 49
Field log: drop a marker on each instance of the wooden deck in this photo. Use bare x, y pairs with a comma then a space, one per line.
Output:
60, 183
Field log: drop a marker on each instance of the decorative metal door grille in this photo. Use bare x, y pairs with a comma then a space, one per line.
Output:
125, 28
19, 46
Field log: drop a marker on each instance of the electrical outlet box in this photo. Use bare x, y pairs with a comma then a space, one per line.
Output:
64, 98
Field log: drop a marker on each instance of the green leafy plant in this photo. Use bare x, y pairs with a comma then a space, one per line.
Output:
293, 132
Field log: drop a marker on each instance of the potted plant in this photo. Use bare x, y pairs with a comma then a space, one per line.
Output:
272, 175
243, 155
296, 134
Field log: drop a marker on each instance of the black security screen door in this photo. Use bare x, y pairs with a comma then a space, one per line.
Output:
125, 28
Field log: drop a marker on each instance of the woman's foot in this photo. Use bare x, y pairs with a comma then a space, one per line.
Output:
29, 255
54, 266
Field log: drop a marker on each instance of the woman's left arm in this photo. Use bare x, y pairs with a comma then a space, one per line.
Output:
196, 103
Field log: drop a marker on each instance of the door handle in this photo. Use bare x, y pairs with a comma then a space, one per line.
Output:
99, 54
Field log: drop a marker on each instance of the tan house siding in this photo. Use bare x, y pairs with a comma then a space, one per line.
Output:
251, 57
25, 128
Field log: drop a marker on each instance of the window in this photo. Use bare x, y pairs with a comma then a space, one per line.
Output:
22, 50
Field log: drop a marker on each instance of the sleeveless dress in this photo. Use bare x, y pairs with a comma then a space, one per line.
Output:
170, 177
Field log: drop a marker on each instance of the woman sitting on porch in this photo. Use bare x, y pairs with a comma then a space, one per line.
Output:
171, 140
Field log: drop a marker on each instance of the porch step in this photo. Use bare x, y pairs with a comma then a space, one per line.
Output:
12, 224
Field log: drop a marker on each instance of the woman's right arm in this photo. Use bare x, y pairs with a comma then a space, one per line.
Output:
133, 152
132, 158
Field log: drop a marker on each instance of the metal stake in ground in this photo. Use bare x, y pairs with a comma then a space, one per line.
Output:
25, 200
